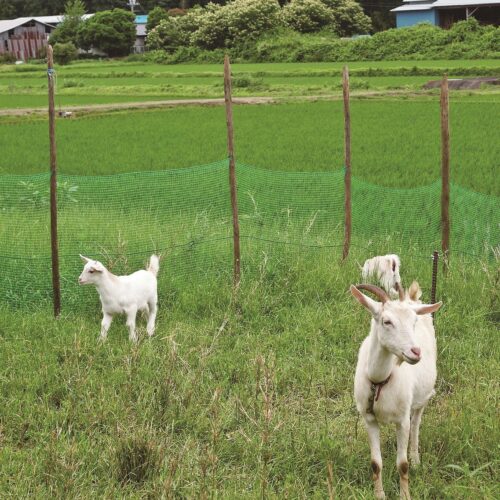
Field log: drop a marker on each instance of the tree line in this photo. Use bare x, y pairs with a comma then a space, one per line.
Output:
378, 10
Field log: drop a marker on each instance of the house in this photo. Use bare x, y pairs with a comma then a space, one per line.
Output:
140, 34
24, 37
444, 13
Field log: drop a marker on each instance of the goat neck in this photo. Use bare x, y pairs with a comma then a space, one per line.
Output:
107, 283
381, 361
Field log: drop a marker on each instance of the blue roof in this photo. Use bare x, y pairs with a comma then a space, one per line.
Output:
141, 19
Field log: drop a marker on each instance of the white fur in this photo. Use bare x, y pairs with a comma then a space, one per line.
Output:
124, 294
385, 268
401, 344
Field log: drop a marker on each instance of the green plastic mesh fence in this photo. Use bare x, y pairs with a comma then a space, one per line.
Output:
186, 216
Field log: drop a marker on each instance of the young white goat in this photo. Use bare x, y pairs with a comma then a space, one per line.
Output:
385, 268
395, 374
124, 294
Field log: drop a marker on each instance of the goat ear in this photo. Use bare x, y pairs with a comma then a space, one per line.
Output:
85, 259
414, 291
427, 308
371, 305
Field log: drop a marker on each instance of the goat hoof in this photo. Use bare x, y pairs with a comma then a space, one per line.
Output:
380, 495
415, 459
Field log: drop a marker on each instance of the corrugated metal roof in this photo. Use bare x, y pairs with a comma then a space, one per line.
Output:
412, 5
465, 3
57, 19
11, 24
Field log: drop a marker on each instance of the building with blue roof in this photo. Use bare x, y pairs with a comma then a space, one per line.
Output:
445, 13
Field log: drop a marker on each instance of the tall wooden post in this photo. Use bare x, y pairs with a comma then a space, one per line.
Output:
347, 165
56, 286
445, 171
232, 169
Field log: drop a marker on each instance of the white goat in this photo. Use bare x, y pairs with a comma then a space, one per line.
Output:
385, 268
124, 294
388, 390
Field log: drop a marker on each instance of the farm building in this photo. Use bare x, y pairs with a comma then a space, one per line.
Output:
140, 35
23, 37
444, 13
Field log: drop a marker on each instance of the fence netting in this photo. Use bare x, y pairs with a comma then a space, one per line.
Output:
186, 216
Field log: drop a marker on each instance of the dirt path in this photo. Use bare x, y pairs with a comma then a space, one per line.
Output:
97, 108
137, 105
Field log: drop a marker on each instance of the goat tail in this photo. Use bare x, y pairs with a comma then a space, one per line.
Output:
154, 265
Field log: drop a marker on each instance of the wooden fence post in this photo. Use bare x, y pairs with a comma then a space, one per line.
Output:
435, 259
56, 285
445, 171
232, 170
347, 165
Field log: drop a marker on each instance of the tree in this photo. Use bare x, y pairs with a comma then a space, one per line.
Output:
112, 31
307, 16
349, 18
154, 17
380, 13
67, 30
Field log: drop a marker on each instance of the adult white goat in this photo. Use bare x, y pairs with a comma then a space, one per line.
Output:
124, 294
385, 268
395, 374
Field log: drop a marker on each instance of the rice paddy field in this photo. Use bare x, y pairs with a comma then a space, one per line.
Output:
87, 82
247, 395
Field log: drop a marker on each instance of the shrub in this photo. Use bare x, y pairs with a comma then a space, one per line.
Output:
212, 31
306, 16
241, 20
64, 53
249, 19
167, 36
157, 56
7, 58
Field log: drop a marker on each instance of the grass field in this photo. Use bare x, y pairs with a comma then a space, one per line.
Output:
389, 137
248, 397
115, 81
184, 414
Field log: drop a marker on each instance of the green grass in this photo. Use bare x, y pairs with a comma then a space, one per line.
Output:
395, 142
112, 81
184, 414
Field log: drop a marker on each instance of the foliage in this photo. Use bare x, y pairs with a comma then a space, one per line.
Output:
216, 26
112, 31
7, 58
64, 53
67, 30
349, 18
168, 35
155, 16
306, 16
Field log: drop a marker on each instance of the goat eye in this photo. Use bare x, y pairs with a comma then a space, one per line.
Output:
91, 270
387, 322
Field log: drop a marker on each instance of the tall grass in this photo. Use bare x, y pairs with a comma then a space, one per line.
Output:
233, 402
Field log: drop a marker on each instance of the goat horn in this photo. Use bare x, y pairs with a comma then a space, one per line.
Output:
375, 290
401, 291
